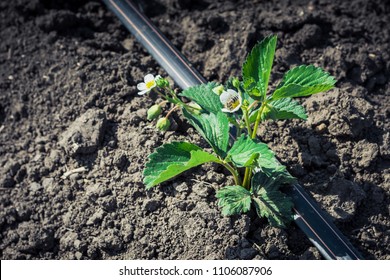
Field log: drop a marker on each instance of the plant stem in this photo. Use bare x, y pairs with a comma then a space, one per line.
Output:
160, 93
247, 177
254, 103
234, 172
238, 134
173, 109
258, 118
248, 170
174, 96
162, 103
246, 118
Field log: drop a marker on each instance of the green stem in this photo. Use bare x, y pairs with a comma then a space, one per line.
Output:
174, 96
258, 118
238, 134
160, 93
254, 104
247, 177
234, 172
248, 170
247, 123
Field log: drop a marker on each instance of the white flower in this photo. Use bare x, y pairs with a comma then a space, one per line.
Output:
148, 84
231, 101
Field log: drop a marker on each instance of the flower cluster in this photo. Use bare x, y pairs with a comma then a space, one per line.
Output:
157, 83
230, 99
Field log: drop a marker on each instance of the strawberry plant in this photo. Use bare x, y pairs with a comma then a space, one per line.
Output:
228, 116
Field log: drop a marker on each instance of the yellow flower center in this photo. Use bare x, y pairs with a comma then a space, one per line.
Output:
233, 103
150, 84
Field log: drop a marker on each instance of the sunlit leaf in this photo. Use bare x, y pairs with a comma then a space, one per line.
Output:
170, 160
234, 200
304, 80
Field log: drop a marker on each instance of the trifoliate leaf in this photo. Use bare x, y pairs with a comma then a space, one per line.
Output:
247, 152
283, 109
257, 66
172, 159
214, 128
204, 96
303, 81
269, 201
234, 200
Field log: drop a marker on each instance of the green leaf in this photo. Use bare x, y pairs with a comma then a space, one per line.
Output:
280, 173
251, 152
304, 80
283, 109
204, 96
269, 201
172, 159
214, 128
257, 66
212, 123
234, 200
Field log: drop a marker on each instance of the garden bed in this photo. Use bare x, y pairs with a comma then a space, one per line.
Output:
68, 100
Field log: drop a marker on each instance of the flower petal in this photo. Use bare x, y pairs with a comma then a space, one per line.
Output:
143, 92
141, 86
148, 78
232, 92
224, 97
231, 101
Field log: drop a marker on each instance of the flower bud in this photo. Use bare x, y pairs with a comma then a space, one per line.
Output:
162, 82
218, 90
163, 124
154, 112
236, 83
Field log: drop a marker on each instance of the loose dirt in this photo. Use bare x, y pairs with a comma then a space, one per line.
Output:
68, 102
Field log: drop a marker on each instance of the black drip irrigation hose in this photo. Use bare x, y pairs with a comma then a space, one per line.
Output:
314, 222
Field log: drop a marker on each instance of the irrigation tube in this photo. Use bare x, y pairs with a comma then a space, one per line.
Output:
314, 222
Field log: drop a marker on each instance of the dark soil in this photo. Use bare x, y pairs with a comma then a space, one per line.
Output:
68, 71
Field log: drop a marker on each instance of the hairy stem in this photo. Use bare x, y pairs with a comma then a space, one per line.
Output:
160, 93
248, 170
234, 172
162, 103
174, 96
254, 104
247, 178
258, 118
238, 134
247, 123
173, 109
